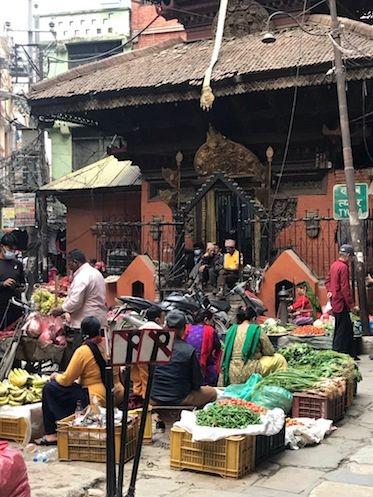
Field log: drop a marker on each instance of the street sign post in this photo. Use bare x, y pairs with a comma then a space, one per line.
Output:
130, 347
340, 201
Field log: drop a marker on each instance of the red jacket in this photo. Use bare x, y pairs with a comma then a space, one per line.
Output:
338, 284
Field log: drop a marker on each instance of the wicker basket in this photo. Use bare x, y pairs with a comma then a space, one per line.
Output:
232, 457
81, 443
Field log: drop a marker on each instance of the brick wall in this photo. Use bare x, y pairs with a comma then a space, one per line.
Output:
160, 30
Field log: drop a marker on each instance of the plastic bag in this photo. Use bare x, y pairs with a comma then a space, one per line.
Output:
307, 432
13, 473
244, 390
271, 396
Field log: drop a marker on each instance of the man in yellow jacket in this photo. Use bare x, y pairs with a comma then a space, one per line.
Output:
229, 274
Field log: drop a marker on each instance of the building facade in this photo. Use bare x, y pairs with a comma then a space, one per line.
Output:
80, 37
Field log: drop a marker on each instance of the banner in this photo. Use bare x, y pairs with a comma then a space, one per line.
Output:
142, 346
7, 217
24, 206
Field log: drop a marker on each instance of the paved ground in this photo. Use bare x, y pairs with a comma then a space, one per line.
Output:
341, 465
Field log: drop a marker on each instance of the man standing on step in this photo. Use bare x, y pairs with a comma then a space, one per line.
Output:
340, 296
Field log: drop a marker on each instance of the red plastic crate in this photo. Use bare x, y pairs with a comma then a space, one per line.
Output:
309, 405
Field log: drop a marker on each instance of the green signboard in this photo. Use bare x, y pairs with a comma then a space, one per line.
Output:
340, 201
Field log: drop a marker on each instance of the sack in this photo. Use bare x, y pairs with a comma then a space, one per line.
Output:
13, 473
270, 396
244, 390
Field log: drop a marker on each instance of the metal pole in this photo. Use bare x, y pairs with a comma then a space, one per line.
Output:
123, 436
355, 225
110, 433
136, 462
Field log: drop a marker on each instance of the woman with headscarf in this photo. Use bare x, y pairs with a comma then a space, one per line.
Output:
86, 371
203, 337
248, 350
12, 280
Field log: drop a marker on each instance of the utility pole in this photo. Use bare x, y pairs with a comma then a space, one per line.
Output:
44, 171
355, 225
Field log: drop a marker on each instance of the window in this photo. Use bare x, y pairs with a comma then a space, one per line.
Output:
93, 21
87, 31
110, 30
98, 31
71, 23
60, 24
92, 49
76, 32
82, 21
65, 33
105, 20
110, 15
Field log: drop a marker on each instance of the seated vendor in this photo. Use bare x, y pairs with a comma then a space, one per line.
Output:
248, 350
62, 393
229, 273
180, 381
301, 309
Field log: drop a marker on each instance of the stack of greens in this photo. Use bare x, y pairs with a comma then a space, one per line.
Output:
324, 363
293, 380
227, 416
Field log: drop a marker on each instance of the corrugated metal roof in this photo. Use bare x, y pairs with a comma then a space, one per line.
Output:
106, 173
160, 67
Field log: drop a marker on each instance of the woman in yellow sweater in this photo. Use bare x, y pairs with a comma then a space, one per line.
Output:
63, 392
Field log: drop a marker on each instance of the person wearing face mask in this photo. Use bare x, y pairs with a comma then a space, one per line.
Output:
12, 280
86, 297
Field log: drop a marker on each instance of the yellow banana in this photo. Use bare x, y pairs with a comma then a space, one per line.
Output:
4, 400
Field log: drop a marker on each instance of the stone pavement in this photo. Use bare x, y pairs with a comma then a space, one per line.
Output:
341, 465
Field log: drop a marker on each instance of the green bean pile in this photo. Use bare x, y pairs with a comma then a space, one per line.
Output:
227, 416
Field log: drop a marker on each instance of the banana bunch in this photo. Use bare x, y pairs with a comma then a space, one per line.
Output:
22, 388
18, 377
3, 394
17, 395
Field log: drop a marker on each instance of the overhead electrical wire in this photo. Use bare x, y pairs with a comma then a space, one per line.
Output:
111, 51
363, 97
292, 117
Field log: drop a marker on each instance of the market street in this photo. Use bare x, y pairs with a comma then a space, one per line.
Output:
341, 466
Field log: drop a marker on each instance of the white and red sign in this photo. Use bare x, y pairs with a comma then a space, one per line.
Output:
142, 346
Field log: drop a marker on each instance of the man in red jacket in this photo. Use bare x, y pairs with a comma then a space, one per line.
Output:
340, 295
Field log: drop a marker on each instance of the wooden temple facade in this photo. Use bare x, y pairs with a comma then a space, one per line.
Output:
280, 97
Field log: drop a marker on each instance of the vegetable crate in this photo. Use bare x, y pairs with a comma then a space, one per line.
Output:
267, 447
309, 405
232, 457
14, 429
82, 443
148, 433
351, 386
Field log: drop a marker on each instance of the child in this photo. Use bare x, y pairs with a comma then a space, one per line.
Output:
301, 308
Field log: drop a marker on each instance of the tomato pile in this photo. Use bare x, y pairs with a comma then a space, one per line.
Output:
240, 402
308, 330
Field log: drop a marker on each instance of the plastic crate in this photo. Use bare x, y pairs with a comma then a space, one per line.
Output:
14, 429
309, 405
267, 447
81, 443
232, 457
350, 392
148, 433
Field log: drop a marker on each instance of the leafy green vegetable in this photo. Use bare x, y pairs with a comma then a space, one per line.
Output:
294, 380
227, 416
324, 363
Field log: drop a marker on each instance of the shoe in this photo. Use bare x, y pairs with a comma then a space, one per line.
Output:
357, 358
370, 357
160, 426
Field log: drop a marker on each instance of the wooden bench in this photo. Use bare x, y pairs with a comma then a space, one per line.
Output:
169, 413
